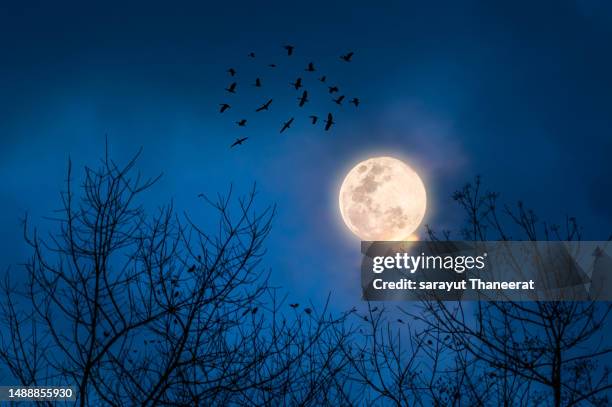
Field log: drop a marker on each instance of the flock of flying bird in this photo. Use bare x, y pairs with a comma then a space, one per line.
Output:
297, 85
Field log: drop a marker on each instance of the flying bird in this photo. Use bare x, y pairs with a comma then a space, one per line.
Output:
251, 54
297, 84
308, 311
257, 83
265, 106
231, 88
310, 67
294, 305
314, 119
224, 107
272, 65
241, 122
329, 122
339, 100
239, 142
323, 78
333, 89
287, 124
355, 101
347, 57
304, 98
289, 49
231, 71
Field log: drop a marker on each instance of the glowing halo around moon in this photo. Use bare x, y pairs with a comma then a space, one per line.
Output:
382, 198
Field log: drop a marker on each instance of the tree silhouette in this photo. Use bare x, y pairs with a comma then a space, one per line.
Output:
135, 309
524, 352
394, 363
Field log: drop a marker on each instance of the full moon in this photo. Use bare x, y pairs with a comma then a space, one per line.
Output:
382, 198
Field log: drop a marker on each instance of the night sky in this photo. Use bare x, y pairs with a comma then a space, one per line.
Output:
519, 93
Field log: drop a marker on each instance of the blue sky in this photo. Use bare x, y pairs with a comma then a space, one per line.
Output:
519, 93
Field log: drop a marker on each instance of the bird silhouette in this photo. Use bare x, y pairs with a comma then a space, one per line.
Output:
329, 122
374, 309
297, 84
254, 310
231, 88
287, 124
294, 305
400, 321
289, 49
308, 311
191, 269
265, 106
304, 98
238, 142
347, 57
339, 100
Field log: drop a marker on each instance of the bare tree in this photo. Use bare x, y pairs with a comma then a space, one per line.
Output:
525, 352
390, 362
150, 310
158, 310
